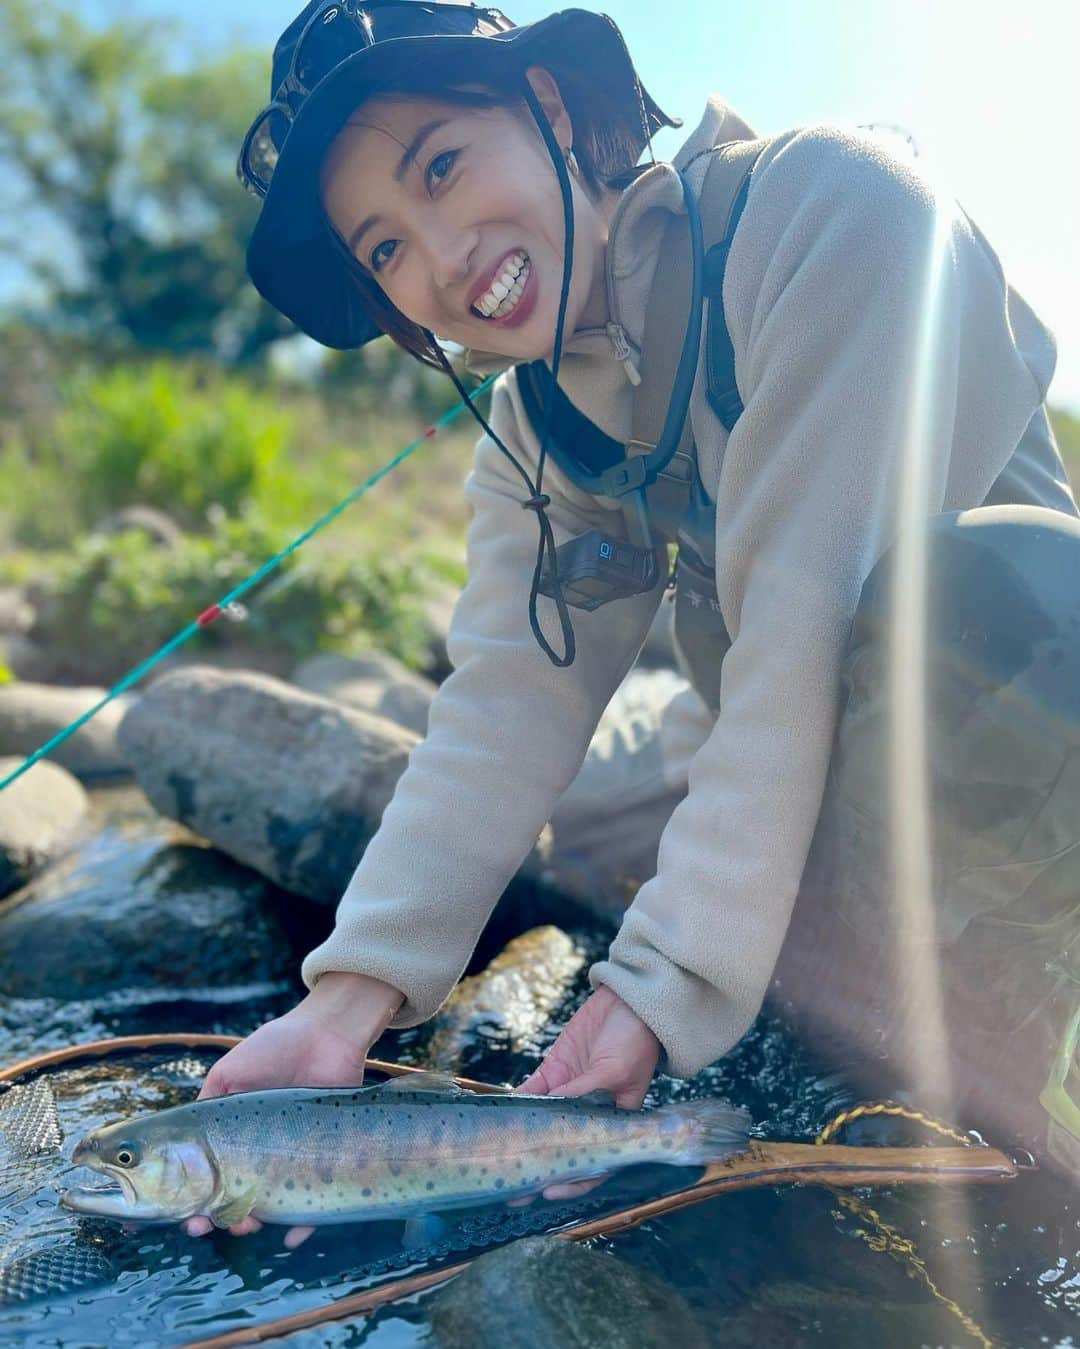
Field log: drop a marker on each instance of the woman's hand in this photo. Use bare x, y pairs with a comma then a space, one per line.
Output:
322, 1042
604, 1046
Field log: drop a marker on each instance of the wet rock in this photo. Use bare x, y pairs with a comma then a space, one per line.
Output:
292, 784
184, 917
543, 1291
155, 524
511, 1001
39, 814
377, 683
31, 713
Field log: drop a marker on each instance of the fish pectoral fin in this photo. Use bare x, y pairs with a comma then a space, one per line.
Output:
424, 1230
233, 1210
426, 1081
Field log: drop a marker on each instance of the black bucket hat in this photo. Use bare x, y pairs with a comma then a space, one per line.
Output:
338, 52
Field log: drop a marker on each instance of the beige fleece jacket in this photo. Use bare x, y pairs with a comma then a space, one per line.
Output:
854, 294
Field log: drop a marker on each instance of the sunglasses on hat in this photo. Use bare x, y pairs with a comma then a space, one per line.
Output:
335, 31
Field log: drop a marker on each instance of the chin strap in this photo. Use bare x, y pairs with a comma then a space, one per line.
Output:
538, 500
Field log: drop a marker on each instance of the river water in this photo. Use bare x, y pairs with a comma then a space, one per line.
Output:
778, 1266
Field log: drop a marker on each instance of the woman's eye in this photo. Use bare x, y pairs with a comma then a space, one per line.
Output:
382, 253
441, 165
439, 169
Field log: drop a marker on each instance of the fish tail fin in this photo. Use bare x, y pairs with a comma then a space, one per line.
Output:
714, 1130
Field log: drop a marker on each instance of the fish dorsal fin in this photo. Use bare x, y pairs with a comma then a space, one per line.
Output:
423, 1082
601, 1096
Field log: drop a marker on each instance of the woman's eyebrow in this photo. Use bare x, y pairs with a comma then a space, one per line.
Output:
411, 151
416, 144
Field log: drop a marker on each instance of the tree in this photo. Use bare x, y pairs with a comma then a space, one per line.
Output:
126, 206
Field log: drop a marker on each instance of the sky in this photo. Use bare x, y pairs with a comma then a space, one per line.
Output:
986, 87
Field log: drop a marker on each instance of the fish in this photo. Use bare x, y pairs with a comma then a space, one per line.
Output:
406, 1148
514, 996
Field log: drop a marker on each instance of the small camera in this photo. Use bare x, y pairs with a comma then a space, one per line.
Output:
596, 568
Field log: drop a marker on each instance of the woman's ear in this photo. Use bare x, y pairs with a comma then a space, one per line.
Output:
548, 96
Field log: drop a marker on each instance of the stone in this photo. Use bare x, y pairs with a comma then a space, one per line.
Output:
377, 683
155, 524
141, 914
32, 662
31, 713
547, 1291
40, 813
510, 1002
289, 783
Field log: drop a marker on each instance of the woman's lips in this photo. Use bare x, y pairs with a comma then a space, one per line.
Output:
524, 306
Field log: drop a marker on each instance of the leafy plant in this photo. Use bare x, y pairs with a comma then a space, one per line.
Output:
112, 601
164, 435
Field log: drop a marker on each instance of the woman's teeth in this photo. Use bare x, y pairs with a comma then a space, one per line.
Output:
505, 291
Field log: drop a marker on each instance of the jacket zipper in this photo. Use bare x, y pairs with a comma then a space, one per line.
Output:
623, 353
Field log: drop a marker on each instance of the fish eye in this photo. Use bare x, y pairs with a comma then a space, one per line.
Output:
126, 1155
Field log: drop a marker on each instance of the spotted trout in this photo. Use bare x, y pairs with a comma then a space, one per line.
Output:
410, 1146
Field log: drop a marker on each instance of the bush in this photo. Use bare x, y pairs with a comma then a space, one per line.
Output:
160, 435
109, 602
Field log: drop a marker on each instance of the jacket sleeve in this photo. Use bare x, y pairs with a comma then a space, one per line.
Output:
877, 365
507, 733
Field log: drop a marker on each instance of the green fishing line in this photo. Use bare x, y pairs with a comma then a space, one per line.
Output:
215, 610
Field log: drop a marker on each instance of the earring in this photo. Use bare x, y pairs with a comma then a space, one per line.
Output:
571, 162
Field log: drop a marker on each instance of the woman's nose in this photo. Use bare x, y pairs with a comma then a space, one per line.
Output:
451, 252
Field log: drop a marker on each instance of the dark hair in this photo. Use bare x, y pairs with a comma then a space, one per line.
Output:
605, 149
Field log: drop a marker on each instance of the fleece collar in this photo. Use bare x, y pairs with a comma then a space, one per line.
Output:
591, 371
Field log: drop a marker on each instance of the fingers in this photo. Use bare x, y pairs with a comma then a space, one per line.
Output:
549, 1078
296, 1236
201, 1224
571, 1189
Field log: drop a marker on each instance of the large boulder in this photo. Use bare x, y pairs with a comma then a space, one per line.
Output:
139, 915
546, 1291
40, 813
292, 784
30, 714
377, 683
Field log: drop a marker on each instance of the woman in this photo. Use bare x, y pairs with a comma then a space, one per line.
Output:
410, 188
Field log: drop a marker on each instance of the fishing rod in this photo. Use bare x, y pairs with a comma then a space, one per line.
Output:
229, 603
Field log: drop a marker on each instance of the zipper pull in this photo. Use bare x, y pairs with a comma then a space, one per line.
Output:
623, 353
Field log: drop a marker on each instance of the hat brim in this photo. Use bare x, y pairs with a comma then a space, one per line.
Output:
292, 259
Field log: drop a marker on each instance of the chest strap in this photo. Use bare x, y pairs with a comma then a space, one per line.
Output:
721, 201
577, 445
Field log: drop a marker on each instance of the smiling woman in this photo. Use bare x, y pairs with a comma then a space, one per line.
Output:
866, 384
446, 204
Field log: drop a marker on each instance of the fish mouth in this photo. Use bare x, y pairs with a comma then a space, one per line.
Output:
117, 1198
112, 1201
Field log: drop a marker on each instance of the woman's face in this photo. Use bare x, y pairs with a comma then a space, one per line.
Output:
456, 212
